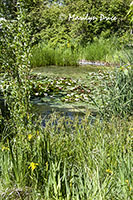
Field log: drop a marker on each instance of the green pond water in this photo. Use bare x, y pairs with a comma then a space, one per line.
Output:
50, 104
76, 72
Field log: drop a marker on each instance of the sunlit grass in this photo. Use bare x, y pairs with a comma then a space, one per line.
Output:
103, 50
44, 55
68, 160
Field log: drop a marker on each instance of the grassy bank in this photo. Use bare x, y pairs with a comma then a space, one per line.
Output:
65, 161
104, 50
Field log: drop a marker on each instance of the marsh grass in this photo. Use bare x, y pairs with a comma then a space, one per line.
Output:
98, 50
44, 55
118, 97
106, 50
68, 160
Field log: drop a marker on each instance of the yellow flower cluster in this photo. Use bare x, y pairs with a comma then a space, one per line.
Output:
127, 181
109, 171
30, 137
4, 148
33, 166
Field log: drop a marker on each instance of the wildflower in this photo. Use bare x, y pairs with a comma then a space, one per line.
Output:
33, 166
68, 45
37, 132
109, 171
127, 181
70, 184
131, 129
5, 148
30, 136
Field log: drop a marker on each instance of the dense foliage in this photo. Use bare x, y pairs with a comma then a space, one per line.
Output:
66, 159
15, 52
58, 23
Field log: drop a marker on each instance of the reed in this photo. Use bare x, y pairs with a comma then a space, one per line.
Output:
68, 160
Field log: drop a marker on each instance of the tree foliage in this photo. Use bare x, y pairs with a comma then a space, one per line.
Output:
52, 22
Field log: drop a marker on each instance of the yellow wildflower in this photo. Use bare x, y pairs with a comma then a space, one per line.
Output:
37, 132
131, 129
30, 136
33, 166
68, 45
109, 171
127, 181
70, 184
5, 148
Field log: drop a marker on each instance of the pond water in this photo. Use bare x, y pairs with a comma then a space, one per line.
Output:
76, 72
51, 103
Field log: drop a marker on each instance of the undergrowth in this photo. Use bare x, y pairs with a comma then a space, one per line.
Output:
68, 160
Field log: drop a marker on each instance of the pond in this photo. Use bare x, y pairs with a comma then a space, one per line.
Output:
75, 72
72, 99
67, 90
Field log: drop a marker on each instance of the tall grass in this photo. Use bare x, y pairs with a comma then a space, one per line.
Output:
98, 50
43, 55
67, 54
117, 99
68, 161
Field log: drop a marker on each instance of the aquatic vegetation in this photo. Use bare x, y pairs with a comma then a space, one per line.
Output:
118, 98
68, 89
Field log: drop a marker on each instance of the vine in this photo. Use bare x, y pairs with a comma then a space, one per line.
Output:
15, 48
